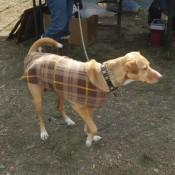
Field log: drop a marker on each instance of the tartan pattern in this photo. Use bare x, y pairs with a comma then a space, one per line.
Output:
65, 76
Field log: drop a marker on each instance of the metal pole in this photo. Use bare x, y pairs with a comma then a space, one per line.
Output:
169, 28
35, 18
41, 17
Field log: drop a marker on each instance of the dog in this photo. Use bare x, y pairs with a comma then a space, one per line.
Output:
85, 85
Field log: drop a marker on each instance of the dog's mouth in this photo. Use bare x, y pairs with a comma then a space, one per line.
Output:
128, 81
153, 77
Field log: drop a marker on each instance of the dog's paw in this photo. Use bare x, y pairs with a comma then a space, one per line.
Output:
44, 135
88, 143
85, 130
69, 122
97, 138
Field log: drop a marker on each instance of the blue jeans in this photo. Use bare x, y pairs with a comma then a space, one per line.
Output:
61, 13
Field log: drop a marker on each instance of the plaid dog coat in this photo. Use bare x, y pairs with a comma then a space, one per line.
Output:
65, 76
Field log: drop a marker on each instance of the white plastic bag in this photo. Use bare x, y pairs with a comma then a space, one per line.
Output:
91, 8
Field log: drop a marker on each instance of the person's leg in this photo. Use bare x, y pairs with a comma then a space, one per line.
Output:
69, 16
58, 10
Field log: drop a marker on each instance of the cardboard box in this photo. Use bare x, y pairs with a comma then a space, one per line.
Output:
89, 28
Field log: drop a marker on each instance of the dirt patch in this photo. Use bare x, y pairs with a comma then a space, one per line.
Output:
138, 126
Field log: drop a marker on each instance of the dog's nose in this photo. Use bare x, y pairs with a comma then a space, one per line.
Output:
156, 76
159, 75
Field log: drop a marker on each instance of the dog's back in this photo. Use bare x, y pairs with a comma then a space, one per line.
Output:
64, 76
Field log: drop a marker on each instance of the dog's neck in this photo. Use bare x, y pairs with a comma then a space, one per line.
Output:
117, 72
95, 75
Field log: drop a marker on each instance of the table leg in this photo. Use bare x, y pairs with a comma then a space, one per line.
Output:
119, 15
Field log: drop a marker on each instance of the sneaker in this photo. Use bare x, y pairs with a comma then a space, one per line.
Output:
65, 37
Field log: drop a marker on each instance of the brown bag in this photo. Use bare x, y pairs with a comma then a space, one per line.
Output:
24, 29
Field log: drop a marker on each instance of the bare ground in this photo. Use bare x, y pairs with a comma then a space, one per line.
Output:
138, 126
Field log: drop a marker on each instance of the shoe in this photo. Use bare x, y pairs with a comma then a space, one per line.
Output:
65, 37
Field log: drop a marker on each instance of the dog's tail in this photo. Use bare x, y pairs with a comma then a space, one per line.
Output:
44, 42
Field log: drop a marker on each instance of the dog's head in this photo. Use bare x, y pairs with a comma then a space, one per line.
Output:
132, 67
138, 68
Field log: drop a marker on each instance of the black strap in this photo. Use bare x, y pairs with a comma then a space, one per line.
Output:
12, 34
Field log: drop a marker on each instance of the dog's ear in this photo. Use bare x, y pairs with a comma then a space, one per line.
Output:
131, 67
94, 74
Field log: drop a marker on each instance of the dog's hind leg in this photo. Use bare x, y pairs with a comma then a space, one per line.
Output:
60, 108
37, 92
90, 127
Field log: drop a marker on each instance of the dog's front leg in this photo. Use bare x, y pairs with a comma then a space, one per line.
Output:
95, 138
90, 127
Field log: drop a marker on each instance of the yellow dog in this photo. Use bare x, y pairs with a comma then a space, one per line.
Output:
84, 85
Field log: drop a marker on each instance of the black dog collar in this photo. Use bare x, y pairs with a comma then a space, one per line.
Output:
106, 76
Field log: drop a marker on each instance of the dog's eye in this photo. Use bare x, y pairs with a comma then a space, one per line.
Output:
145, 68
